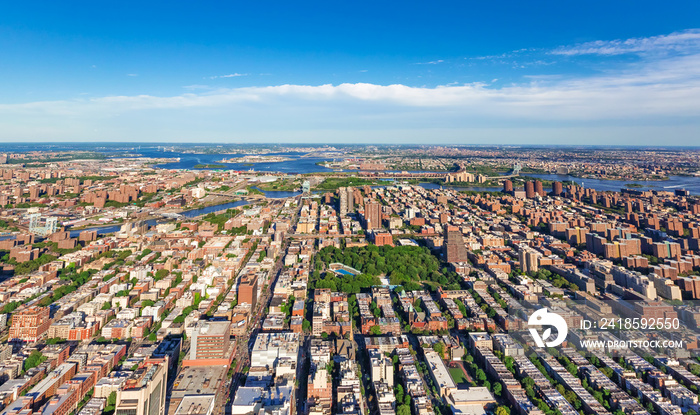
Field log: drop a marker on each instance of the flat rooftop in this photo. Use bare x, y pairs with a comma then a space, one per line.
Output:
196, 405
214, 328
202, 380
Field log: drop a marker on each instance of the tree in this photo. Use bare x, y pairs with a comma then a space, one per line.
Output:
398, 393
11, 306
306, 325
508, 361
111, 403
375, 330
480, 375
35, 359
497, 389
439, 349
403, 410
502, 410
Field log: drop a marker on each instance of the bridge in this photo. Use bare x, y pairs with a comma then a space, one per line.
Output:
254, 196
171, 215
385, 175
513, 173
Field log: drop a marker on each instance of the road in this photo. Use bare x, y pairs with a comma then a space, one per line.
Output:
244, 344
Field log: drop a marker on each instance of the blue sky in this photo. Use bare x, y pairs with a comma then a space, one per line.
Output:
462, 72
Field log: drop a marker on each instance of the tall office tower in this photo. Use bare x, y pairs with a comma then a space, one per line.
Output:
373, 215
529, 190
343, 196
507, 186
538, 188
453, 245
557, 188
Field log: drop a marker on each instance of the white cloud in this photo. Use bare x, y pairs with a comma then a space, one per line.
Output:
650, 93
667, 88
231, 75
431, 62
687, 41
132, 74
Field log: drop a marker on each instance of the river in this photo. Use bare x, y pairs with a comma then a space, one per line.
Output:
689, 183
692, 184
103, 230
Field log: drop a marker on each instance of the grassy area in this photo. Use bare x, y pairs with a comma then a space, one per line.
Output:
334, 183
284, 185
253, 191
457, 375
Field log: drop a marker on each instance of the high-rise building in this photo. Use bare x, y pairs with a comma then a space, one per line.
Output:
373, 215
557, 188
529, 190
529, 259
248, 290
351, 199
538, 188
507, 186
345, 194
30, 324
145, 391
343, 201
453, 245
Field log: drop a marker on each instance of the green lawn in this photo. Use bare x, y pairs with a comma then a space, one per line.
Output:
457, 375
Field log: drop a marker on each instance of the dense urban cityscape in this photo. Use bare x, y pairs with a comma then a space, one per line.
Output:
350, 208
384, 281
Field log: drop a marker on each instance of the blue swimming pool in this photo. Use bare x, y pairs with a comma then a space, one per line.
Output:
342, 271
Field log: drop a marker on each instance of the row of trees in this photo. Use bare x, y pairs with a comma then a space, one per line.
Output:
71, 280
28, 266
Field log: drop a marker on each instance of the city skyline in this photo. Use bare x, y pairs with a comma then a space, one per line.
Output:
610, 74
